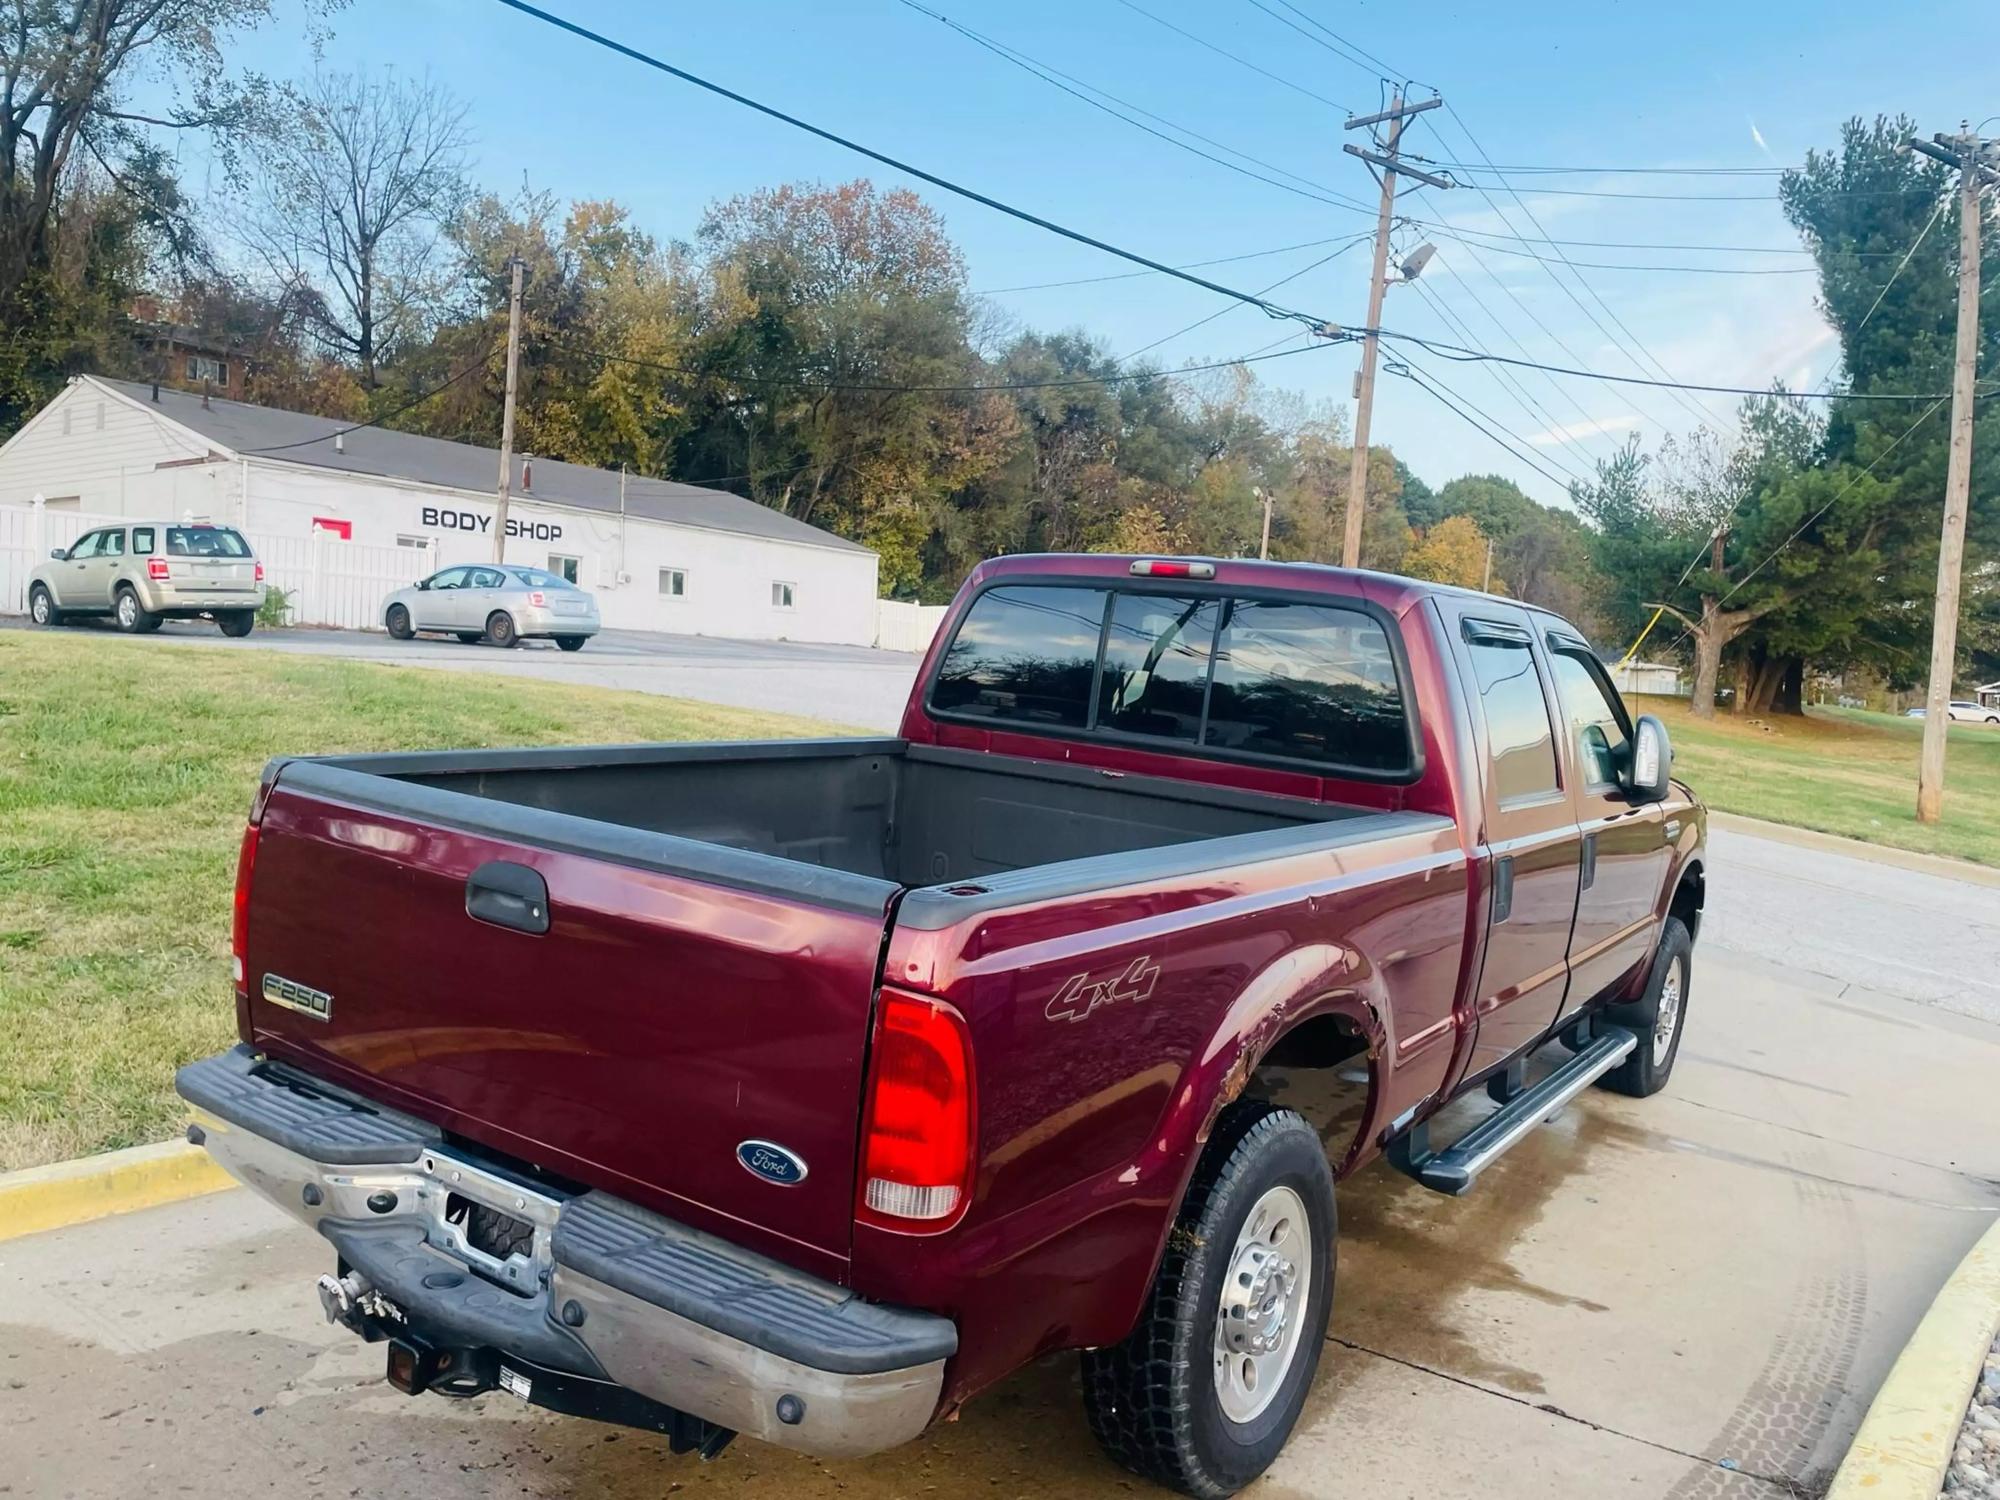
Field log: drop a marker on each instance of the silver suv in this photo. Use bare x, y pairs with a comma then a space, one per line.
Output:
143, 572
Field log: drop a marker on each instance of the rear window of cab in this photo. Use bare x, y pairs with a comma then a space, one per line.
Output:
1234, 677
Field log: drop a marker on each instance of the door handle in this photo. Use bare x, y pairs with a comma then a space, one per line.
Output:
1503, 888
1589, 860
508, 895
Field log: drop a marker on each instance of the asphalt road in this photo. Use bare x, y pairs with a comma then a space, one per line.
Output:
1680, 1298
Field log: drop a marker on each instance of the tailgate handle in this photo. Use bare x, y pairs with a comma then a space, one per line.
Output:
508, 895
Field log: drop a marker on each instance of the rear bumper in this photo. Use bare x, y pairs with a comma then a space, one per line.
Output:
591, 1286
164, 599
530, 621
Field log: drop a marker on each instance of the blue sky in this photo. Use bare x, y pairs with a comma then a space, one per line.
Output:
1613, 85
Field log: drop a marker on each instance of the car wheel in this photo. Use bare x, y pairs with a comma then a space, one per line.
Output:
397, 622
41, 608
133, 617
1202, 1394
237, 622
1657, 1017
470, 637
570, 642
500, 629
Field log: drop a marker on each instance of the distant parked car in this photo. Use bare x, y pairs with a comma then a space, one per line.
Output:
1962, 711
143, 572
502, 605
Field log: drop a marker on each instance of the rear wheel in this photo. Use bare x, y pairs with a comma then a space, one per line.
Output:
133, 617
398, 622
1656, 1017
237, 622
1204, 1391
570, 642
41, 608
500, 629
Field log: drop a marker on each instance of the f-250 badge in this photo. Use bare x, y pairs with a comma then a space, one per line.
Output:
1079, 997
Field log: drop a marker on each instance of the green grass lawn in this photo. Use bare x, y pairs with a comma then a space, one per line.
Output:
125, 772
1843, 771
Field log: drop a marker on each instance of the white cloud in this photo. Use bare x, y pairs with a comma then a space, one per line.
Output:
1549, 436
1758, 136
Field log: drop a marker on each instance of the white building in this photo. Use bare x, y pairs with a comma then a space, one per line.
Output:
372, 506
1655, 678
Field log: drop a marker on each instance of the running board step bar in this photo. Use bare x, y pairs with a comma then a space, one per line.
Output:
1455, 1169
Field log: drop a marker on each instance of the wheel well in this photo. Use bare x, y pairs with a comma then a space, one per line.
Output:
1688, 898
1307, 1069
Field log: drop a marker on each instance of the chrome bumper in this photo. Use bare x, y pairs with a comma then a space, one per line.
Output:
598, 1288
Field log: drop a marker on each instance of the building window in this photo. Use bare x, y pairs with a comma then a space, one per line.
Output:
781, 596
415, 543
564, 567
203, 367
674, 583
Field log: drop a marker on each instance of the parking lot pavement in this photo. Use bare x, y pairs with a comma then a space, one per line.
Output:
852, 685
1685, 1298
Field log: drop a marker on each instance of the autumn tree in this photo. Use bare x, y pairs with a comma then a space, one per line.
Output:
1453, 552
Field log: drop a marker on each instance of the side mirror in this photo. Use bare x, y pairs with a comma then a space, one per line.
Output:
1651, 761
60, 554
423, 585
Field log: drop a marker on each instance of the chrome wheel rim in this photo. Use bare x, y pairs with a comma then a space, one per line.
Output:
40, 608
1262, 1312
128, 610
1667, 1018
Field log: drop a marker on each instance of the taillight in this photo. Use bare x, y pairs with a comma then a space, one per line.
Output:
260, 573
239, 927
537, 598
917, 1128
1163, 567
156, 567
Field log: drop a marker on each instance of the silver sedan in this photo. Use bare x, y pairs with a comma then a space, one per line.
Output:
499, 604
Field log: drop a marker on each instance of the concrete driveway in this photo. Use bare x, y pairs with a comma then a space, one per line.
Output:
1684, 1297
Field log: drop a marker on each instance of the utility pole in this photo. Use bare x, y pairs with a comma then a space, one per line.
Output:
1975, 160
507, 412
1264, 544
1364, 382
1486, 577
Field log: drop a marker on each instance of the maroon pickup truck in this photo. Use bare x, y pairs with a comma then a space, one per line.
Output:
807, 1089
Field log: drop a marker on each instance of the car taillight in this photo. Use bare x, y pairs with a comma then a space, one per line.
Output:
260, 573
239, 927
537, 598
917, 1128
156, 567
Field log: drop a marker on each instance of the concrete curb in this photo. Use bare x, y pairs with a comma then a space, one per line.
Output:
117, 1182
1904, 1446
1881, 854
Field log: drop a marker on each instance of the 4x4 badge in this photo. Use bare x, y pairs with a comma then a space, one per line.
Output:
1078, 997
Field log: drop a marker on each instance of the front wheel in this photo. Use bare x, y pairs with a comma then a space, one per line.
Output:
1657, 1017
500, 629
41, 608
398, 622
237, 622
1203, 1393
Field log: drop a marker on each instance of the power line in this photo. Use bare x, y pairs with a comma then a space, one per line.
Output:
1492, 234
1500, 426
1608, 265
1058, 79
1241, 61
1261, 291
1451, 406
1620, 171
1922, 235
1187, 265
958, 189
1345, 50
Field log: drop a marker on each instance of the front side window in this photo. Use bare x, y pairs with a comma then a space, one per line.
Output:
85, 546
1025, 653
450, 578
1156, 665
1517, 719
113, 544
1596, 727
1308, 682
205, 541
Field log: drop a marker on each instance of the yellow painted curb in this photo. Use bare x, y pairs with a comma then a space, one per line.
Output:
117, 1182
1904, 1446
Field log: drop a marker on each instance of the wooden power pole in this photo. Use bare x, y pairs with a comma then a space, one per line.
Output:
1390, 163
507, 413
1974, 159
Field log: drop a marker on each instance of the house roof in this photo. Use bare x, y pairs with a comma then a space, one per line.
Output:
248, 431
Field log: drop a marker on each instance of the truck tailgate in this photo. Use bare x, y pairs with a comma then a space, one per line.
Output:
659, 1024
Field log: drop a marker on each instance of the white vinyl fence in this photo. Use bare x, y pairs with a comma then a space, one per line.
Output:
906, 627
326, 581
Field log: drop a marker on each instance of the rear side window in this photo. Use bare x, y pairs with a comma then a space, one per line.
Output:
142, 540
1307, 682
1026, 654
205, 541
1517, 719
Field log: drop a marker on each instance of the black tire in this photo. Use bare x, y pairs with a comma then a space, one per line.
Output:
42, 607
500, 630
1152, 1399
397, 622
237, 622
571, 642
130, 615
1652, 1062
470, 637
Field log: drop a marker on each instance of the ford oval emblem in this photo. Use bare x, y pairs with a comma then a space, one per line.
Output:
772, 1162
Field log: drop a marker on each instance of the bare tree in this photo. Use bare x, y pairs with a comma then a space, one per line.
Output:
355, 195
